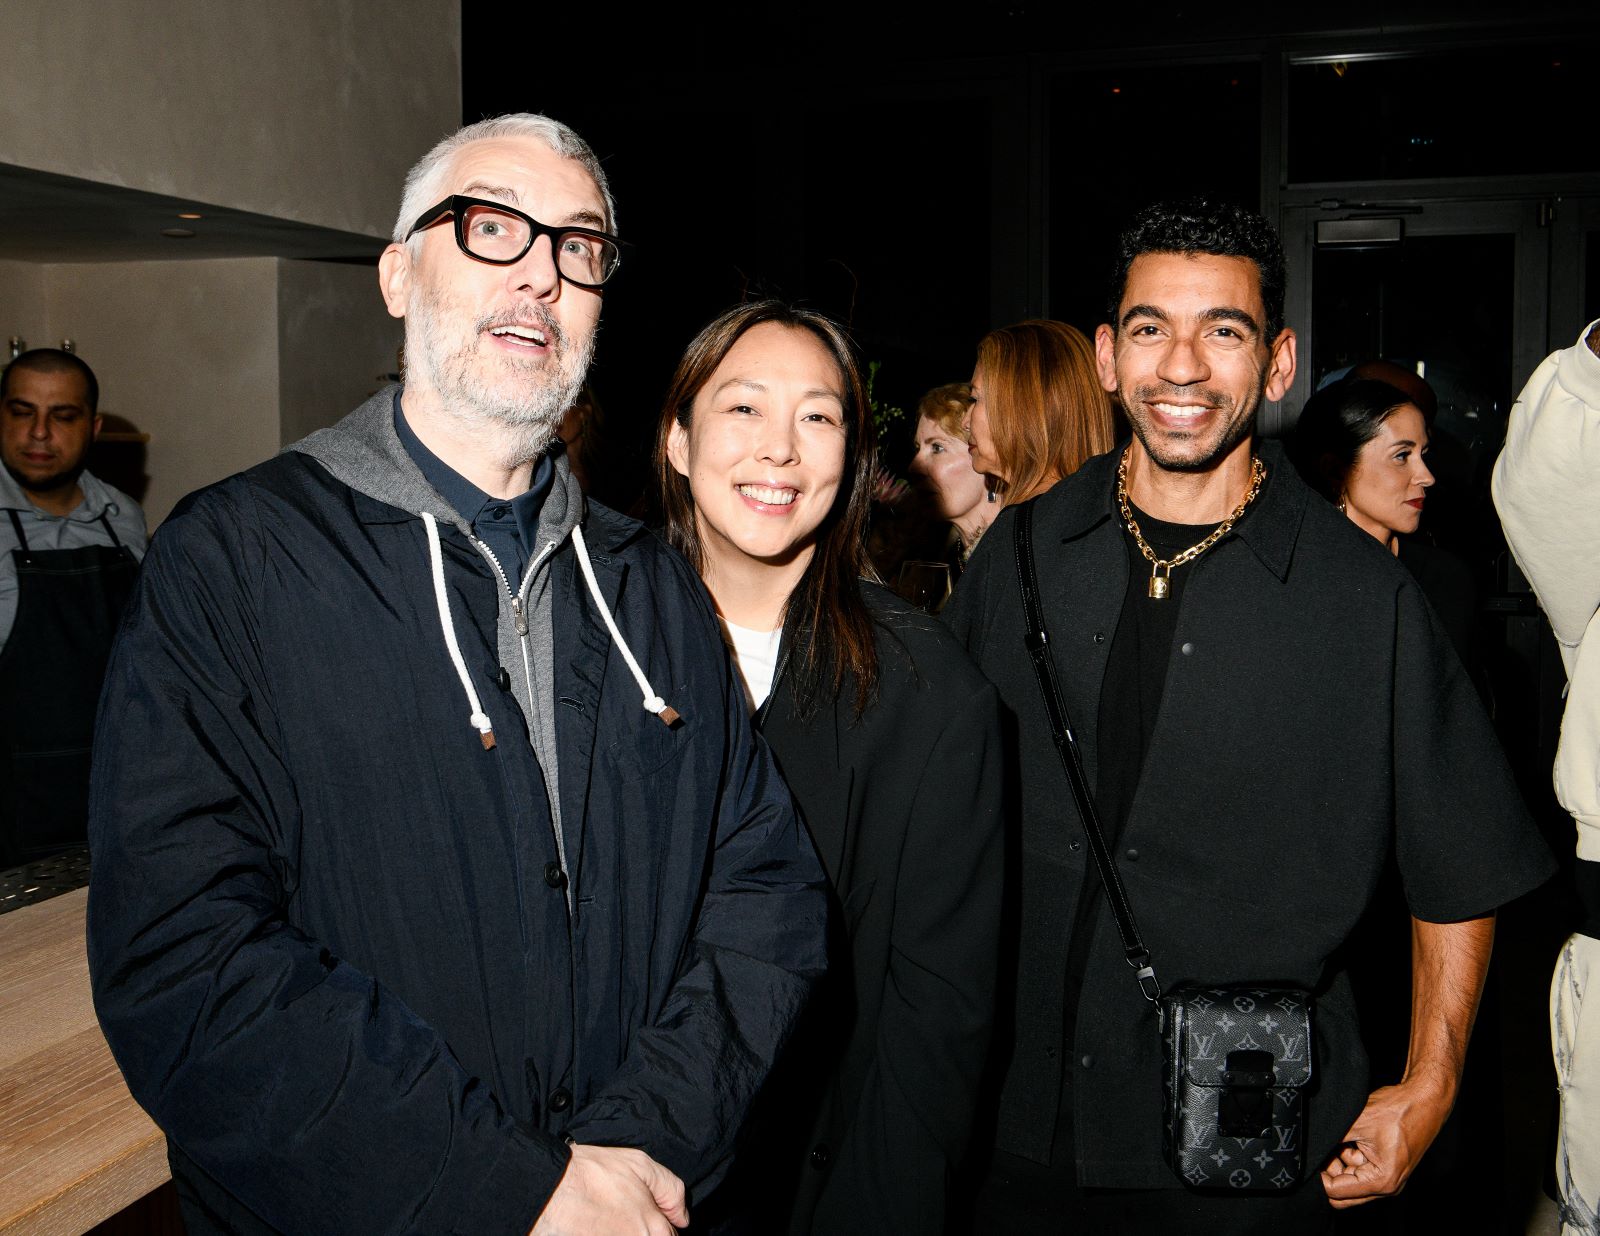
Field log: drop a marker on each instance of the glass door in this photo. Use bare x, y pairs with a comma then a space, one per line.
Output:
1457, 291
1460, 288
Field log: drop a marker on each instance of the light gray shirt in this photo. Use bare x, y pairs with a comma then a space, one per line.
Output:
44, 531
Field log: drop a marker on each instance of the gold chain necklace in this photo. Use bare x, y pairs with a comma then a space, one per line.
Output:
1161, 568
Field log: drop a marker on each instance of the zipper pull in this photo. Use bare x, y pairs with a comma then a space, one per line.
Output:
518, 617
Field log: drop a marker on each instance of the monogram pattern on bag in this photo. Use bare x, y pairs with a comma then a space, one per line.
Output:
1200, 1027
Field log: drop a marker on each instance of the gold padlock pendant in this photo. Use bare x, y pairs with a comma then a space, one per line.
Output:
1158, 587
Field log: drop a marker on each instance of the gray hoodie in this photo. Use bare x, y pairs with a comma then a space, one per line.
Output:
364, 452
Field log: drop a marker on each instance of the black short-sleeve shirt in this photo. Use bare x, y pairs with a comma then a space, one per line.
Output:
1314, 719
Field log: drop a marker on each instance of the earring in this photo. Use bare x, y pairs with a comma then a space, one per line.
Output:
992, 493
1340, 503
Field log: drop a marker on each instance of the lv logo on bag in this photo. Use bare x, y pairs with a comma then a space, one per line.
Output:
1235, 1073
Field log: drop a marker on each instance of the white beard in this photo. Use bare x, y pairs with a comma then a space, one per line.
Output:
524, 407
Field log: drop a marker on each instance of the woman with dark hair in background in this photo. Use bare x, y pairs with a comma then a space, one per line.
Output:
1038, 409
1362, 445
888, 738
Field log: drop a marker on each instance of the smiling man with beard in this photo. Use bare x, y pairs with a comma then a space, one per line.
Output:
438, 882
1267, 710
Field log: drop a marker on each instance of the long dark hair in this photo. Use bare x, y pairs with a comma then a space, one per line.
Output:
1333, 427
828, 625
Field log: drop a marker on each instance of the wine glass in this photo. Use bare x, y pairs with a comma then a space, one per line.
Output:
925, 584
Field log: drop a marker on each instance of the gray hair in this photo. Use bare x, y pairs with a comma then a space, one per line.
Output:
424, 183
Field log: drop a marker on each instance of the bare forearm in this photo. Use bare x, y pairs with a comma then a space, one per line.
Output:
1398, 1124
1448, 964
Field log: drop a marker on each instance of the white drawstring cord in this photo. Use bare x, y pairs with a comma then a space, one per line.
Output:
480, 719
653, 703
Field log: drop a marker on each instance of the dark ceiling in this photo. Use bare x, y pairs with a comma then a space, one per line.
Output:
877, 162
48, 218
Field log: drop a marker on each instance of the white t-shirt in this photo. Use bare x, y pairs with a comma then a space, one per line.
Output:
756, 655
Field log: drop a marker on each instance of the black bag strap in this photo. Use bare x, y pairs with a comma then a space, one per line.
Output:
22, 537
1037, 642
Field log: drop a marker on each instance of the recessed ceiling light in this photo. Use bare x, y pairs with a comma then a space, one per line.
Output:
178, 233
189, 214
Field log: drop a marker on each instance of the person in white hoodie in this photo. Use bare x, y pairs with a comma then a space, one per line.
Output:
1547, 490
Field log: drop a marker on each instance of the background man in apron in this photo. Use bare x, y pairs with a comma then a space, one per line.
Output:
69, 547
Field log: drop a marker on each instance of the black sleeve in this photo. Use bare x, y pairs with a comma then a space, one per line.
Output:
965, 613
914, 1115
760, 946
1463, 839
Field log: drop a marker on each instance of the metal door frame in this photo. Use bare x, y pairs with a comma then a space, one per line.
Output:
1575, 230
1525, 219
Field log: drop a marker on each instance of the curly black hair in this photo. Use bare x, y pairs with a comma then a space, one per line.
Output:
1201, 226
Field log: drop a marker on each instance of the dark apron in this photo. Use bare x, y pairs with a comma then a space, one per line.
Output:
68, 603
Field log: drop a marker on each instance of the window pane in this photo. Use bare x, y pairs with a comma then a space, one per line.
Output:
1108, 131
896, 233
1478, 112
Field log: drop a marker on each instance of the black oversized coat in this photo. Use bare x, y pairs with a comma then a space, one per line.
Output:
1315, 719
903, 805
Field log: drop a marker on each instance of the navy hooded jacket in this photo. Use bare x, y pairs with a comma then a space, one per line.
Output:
340, 958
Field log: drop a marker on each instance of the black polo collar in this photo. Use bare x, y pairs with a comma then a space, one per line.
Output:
1088, 499
470, 502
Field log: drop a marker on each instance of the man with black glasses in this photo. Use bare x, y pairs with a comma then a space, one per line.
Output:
438, 882
1266, 709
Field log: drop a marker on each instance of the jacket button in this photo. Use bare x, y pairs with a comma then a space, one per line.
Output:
554, 876
560, 1101
1074, 844
503, 679
1187, 649
821, 1156
1133, 855
1099, 637
1087, 1062
1049, 1053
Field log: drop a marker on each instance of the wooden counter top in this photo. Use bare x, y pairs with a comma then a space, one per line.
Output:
74, 1146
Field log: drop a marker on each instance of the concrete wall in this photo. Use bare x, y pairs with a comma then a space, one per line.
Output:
335, 343
309, 110
220, 362
22, 304
187, 351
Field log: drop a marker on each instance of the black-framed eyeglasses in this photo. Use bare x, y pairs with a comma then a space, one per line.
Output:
499, 234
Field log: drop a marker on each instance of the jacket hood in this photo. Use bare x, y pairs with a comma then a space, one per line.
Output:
365, 453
